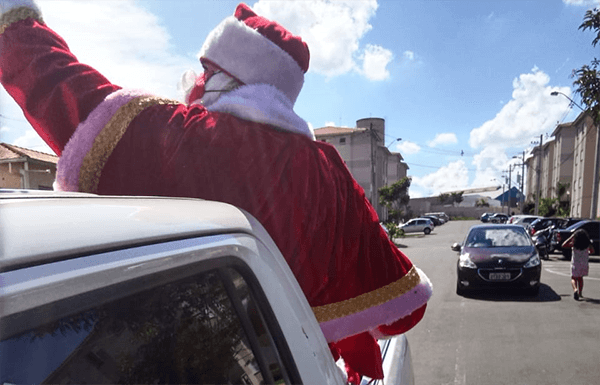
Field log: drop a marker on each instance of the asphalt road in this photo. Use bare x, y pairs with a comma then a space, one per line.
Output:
502, 337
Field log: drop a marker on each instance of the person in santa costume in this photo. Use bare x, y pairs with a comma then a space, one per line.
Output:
238, 140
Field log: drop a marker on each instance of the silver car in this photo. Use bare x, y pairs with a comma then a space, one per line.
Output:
417, 225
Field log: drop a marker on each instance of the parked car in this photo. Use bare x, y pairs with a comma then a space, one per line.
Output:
495, 256
442, 215
544, 223
485, 217
524, 220
498, 218
554, 243
149, 290
590, 226
416, 225
436, 221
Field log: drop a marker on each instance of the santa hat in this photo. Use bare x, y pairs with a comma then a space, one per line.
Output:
254, 50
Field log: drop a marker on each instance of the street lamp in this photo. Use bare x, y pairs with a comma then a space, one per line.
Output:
393, 141
555, 93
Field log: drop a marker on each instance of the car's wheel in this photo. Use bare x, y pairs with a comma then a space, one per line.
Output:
427, 230
567, 254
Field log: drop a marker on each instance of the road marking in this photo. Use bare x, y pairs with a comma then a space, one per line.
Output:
460, 377
569, 275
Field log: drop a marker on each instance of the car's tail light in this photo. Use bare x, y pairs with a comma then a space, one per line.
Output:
532, 231
558, 238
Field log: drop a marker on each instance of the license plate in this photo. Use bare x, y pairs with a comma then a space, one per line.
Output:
499, 276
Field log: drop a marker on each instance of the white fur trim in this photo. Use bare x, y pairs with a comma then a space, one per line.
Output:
8, 5
262, 103
252, 58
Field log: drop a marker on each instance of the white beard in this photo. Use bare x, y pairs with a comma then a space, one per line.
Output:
217, 85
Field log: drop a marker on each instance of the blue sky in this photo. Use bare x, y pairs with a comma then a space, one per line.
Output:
448, 76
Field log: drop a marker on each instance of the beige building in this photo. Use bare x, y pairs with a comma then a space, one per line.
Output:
547, 189
363, 149
572, 158
22, 168
562, 172
584, 168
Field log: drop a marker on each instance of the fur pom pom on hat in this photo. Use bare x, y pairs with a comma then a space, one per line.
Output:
256, 50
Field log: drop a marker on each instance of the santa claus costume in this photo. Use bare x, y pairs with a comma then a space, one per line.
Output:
242, 144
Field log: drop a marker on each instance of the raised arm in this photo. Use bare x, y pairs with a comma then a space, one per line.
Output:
38, 70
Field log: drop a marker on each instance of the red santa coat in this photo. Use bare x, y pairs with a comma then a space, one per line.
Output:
250, 150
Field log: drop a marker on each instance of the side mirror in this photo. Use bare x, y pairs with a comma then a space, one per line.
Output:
455, 247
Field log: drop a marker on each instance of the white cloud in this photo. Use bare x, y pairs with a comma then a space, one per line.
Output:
329, 124
375, 62
585, 3
333, 31
409, 55
142, 60
453, 176
30, 139
443, 139
407, 147
531, 112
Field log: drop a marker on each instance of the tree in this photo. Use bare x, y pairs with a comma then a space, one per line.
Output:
587, 78
444, 198
452, 198
457, 197
395, 198
482, 203
564, 206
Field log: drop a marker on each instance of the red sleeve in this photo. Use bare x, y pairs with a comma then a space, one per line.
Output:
55, 91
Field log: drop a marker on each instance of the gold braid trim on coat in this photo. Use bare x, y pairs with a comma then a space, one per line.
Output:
364, 301
108, 138
18, 14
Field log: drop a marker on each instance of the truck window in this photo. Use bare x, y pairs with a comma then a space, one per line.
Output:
203, 329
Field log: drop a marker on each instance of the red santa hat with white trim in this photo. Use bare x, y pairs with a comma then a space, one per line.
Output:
255, 50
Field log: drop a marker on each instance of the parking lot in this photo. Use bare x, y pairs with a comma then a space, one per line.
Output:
502, 337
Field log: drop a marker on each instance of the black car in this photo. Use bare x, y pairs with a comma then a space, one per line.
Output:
498, 218
544, 223
495, 256
591, 227
554, 243
436, 221
485, 217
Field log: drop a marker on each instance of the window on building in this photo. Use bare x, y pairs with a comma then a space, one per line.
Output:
342, 140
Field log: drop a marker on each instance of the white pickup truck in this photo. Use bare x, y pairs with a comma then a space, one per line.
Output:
100, 289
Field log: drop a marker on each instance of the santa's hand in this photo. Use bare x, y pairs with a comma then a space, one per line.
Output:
8, 5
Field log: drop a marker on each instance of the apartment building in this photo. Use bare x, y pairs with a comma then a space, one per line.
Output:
562, 170
363, 149
548, 190
22, 168
572, 158
584, 168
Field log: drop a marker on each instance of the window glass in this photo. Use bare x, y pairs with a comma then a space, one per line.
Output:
184, 332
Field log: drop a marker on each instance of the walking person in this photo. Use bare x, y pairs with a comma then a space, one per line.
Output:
582, 248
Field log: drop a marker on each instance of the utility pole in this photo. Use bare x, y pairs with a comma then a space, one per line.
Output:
522, 200
539, 174
509, 187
